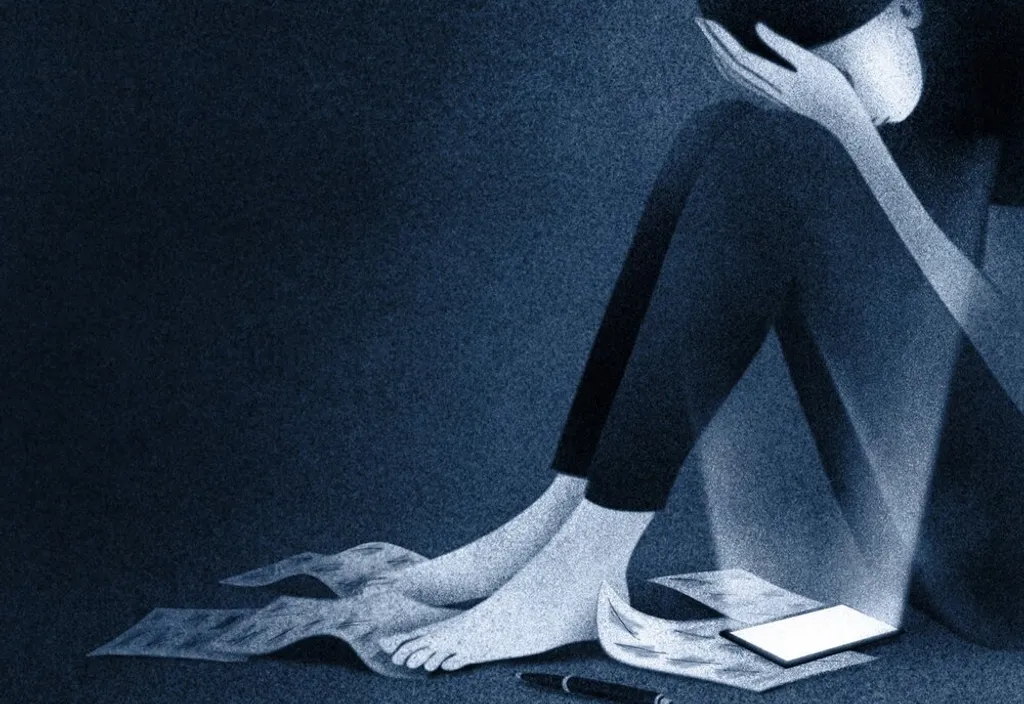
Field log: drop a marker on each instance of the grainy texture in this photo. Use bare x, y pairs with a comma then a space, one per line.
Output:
296, 276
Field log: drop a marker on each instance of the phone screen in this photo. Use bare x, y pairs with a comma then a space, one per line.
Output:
814, 634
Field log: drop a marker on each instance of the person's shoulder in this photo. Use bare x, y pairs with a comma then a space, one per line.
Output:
765, 145
779, 133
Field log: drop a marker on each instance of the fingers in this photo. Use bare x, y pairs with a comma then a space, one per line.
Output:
790, 51
739, 74
754, 84
767, 70
736, 68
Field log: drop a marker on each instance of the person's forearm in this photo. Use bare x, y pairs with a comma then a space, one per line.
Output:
993, 325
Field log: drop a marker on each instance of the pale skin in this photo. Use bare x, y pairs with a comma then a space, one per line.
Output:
539, 574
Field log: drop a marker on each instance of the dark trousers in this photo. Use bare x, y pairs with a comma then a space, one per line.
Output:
690, 308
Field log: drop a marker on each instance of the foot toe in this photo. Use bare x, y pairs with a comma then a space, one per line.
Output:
389, 644
435, 660
455, 662
408, 648
419, 657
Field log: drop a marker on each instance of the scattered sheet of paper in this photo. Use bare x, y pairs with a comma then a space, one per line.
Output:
739, 594
359, 621
367, 609
178, 633
695, 648
344, 573
363, 613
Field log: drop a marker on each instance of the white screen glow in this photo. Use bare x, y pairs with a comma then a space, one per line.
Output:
797, 638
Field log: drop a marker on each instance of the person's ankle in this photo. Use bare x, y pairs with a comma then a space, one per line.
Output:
617, 521
568, 487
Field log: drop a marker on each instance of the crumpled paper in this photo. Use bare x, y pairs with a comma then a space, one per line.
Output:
363, 612
695, 648
365, 609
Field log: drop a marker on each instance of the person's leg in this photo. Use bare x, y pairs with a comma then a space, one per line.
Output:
551, 602
476, 570
719, 286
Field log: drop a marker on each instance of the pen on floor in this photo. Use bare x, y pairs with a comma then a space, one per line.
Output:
609, 691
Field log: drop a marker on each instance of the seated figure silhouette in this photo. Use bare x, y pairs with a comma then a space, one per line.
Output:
846, 208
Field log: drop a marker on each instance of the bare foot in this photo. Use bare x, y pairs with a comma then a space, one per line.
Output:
551, 602
476, 570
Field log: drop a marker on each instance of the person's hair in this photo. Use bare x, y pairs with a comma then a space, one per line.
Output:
809, 23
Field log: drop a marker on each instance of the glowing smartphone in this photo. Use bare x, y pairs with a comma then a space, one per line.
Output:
813, 634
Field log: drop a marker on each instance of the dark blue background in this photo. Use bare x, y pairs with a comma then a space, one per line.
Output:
287, 276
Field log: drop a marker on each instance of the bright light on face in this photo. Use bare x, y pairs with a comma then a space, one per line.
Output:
882, 62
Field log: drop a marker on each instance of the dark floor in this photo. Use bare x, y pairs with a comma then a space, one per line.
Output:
61, 623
